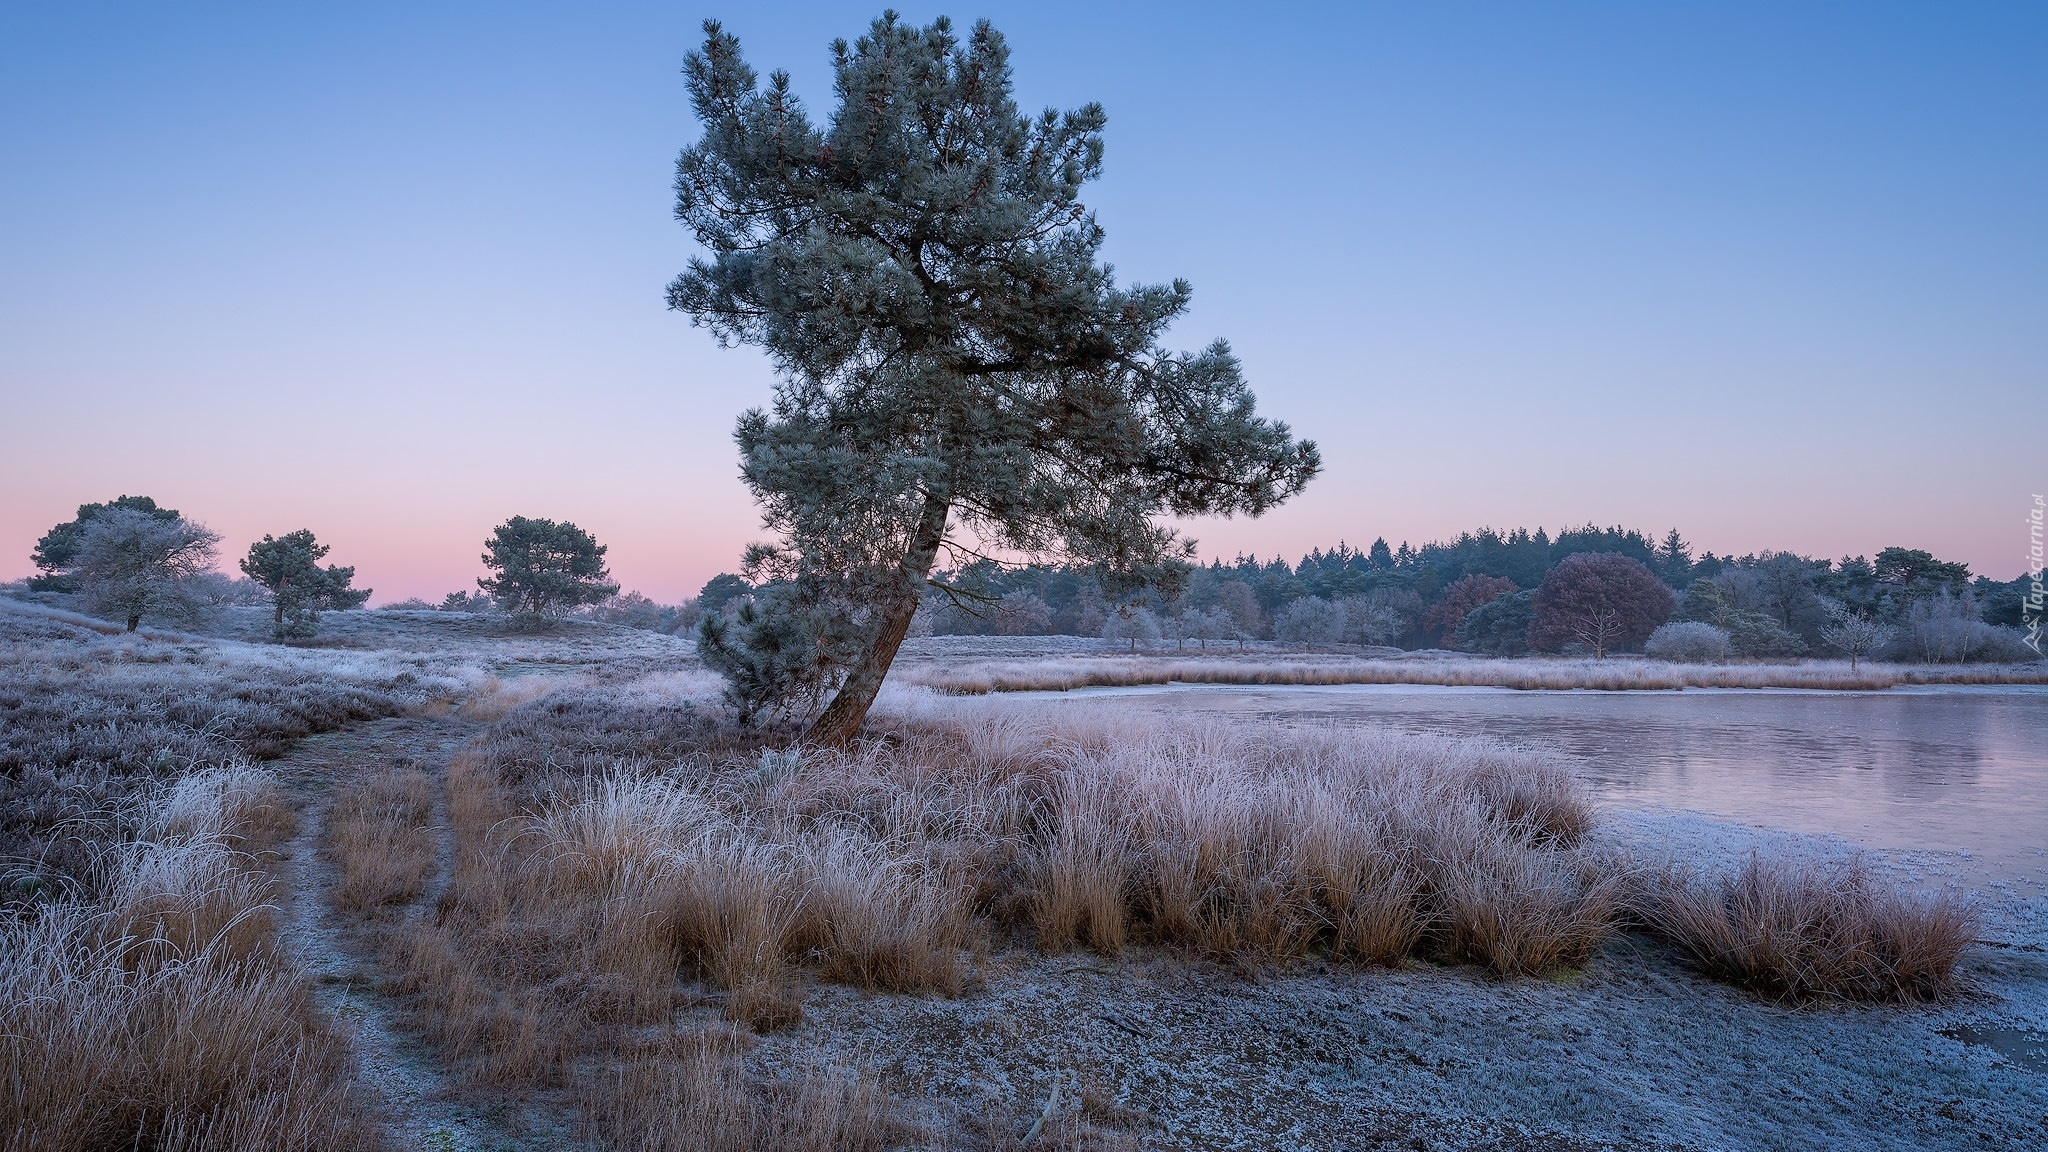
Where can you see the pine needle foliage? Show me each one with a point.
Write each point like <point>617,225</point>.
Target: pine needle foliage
<point>289,569</point>
<point>957,369</point>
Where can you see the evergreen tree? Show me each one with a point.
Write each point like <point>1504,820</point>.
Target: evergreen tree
<point>544,568</point>
<point>1674,560</point>
<point>956,367</point>
<point>300,589</point>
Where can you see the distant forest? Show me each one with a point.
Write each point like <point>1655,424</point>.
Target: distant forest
<point>1771,603</point>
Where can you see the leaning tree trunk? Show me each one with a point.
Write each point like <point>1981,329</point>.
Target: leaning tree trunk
<point>842,719</point>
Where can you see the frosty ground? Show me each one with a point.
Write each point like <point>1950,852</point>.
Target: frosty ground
<point>1152,1047</point>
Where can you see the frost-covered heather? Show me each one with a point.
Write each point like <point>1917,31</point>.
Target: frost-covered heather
<point>86,718</point>
<point>161,1014</point>
<point>476,638</point>
<point>1611,674</point>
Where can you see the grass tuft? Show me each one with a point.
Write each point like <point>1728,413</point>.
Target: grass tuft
<point>1799,929</point>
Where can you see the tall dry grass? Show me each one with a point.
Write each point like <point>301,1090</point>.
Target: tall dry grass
<point>691,1092</point>
<point>161,1015</point>
<point>1533,673</point>
<point>1801,929</point>
<point>379,832</point>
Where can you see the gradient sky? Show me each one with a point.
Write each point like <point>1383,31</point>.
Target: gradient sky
<point>1774,274</point>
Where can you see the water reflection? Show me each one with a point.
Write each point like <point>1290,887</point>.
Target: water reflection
<point>1922,768</point>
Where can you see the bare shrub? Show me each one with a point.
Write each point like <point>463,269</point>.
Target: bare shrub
<point>1797,929</point>
<point>379,833</point>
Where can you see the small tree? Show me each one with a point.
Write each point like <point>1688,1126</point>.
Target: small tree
<point>1206,624</point>
<point>1236,599</point>
<point>288,567</point>
<point>131,564</point>
<point>1855,635</point>
<point>1602,600</point>
<point>780,656</point>
<point>1021,613</point>
<point>1460,599</point>
<point>1309,621</point>
<point>1131,623</point>
<point>57,552</point>
<point>544,568</point>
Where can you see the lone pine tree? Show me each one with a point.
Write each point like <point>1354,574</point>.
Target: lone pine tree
<point>956,369</point>
<point>288,567</point>
<point>543,568</point>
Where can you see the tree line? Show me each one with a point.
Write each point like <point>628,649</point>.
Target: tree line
<point>1591,589</point>
<point>130,559</point>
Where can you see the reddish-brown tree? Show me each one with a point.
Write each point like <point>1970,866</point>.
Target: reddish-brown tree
<point>1462,597</point>
<point>1602,600</point>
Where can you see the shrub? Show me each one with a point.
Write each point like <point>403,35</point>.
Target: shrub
<point>1688,642</point>
<point>1944,628</point>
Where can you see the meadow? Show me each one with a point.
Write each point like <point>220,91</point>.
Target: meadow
<point>568,903</point>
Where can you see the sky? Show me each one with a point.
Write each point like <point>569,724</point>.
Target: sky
<point>1774,274</point>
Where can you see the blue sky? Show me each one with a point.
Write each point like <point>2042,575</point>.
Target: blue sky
<point>1775,274</point>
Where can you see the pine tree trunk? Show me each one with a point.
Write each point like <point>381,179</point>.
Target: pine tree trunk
<point>842,719</point>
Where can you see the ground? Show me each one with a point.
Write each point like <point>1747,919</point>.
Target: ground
<point>1161,1050</point>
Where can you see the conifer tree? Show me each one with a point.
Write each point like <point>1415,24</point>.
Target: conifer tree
<point>289,569</point>
<point>957,371</point>
<point>544,568</point>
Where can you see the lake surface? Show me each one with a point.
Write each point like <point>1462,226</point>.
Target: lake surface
<point>1940,768</point>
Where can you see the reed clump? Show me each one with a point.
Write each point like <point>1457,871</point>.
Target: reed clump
<point>1798,929</point>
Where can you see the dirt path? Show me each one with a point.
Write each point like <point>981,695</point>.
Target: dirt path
<point>420,1111</point>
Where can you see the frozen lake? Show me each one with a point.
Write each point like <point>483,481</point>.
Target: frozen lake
<point>1950,769</point>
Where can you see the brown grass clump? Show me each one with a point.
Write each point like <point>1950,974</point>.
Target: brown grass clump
<point>162,1016</point>
<point>379,832</point>
<point>1797,929</point>
<point>692,1093</point>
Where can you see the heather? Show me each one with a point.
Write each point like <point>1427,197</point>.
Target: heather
<point>89,720</point>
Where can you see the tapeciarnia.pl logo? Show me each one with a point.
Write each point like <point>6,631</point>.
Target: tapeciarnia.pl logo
<point>2031,608</point>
